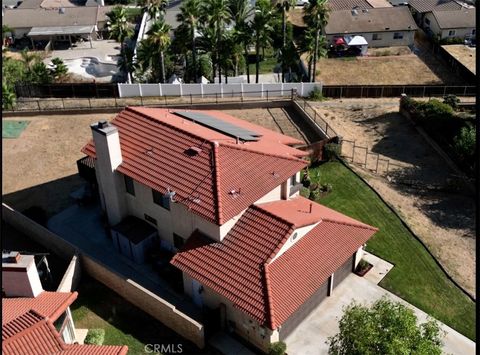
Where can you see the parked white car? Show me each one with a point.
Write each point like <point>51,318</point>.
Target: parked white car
<point>302,2</point>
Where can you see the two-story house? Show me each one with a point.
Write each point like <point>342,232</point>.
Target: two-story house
<point>224,194</point>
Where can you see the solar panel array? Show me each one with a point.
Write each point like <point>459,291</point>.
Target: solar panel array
<point>219,125</point>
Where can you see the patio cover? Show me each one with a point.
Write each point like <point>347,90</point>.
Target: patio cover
<point>60,30</point>
<point>357,41</point>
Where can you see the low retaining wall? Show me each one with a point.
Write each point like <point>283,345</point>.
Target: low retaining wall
<point>146,301</point>
<point>309,120</point>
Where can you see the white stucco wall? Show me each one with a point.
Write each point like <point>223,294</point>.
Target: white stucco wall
<point>358,256</point>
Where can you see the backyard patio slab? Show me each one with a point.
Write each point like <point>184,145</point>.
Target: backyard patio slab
<point>311,336</point>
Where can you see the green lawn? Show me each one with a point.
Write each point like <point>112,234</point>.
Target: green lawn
<point>99,307</point>
<point>266,66</point>
<point>416,277</point>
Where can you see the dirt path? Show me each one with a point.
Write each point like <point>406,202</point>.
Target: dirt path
<point>444,221</point>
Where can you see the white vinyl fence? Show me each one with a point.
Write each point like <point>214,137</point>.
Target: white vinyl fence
<point>220,90</point>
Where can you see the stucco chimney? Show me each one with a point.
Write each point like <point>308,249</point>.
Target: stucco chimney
<point>20,276</point>
<point>110,182</point>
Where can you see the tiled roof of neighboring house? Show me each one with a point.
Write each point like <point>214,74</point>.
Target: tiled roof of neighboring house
<point>336,5</point>
<point>33,334</point>
<point>422,6</point>
<point>219,182</point>
<point>47,304</point>
<point>375,20</point>
<point>37,17</point>
<point>464,18</point>
<point>240,267</point>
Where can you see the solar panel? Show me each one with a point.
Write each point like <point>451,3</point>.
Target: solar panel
<point>219,125</point>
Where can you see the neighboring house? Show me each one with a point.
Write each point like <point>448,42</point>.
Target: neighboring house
<point>336,5</point>
<point>224,194</point>
<point>421,8</point>
<point>381,27</point>
<point>35,321</point>
<point>57,24</point>
<point>451,24</point>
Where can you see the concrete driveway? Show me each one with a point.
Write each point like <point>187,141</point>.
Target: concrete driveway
<point>310,337</point>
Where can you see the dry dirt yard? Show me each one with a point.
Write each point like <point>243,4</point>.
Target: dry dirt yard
<point>39,168</point>
<point>443,221</point>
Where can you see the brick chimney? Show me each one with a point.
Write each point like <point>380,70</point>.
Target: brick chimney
<point>20,276</point>
<point>110,182</point>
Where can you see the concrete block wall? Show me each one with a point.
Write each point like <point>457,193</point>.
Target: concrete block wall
<point>71,278</point>
<point>147,301</point>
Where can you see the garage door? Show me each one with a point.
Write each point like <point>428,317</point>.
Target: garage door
<point>305,309</point>
<point>342,272</point>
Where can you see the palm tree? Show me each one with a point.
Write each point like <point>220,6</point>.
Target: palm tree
<point>118,26</point>
<point>262,27</point>
<point>189,16</point>
<point>316,17</point>
<point>217,16</point>
<point>240,11</point>
<point>159,41</point>
<point>154,8</point>
<point>284,6</point>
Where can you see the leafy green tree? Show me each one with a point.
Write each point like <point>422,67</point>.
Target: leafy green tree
<point>385,328</point>
<point>8,97</point>
<point>207,44</point>
<point>307,45</point>
<point>316,14</point>
<point>284,7</point>
<point>158,41</point>
<point>39,74</point>
<point>451,100</point>
<point>262,27</point>
<point>5,30</point>
<point>240,12</point>
<point>118,26</point>
<point>13,71</point>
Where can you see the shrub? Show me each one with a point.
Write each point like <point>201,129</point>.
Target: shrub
<point>451,100</point>
<point>316,94</point>
<point>95,337</point>
<point>362,265</point>
<point>331,151</point>
<point>277,348</point>
<point>465,142</point>
<point>326,187</point>
<point>434,109</point>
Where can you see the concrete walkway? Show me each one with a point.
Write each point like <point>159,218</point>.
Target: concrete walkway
<point>83,227</point>
<point>311,336</point>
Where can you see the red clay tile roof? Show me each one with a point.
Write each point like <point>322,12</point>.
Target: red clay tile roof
<point>296,274</point>
<point>240,267</point>
<point>33,334</point>
<point>301,212</point>
<point>154,142</point>
<point>234,267</point>
<point>46,304</point>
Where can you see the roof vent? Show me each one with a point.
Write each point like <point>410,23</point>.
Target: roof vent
<point>365,10</point>
<point>102,124</point>
<point>61,10</point>
<point>354,12</point>
<point>275,175</point>
<point>234,193</point>
<point>193,151</point>
<point>387,28</point>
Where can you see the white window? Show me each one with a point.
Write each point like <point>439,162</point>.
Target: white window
<point>376,37</point>
<point>398,35</point>
<point>451,33</point>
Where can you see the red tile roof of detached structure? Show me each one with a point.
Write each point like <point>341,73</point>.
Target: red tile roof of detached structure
<point>221,179</point>
<point>246,269</point>
<point>33,333</point>
<point>47,304</point>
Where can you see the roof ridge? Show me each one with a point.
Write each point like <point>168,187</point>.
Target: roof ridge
<point>239,147</point>
<point>270,314</point>
<point>359,225</point>
<point>216,185</point>
<point>64,305</point>
<point>258,207</point>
